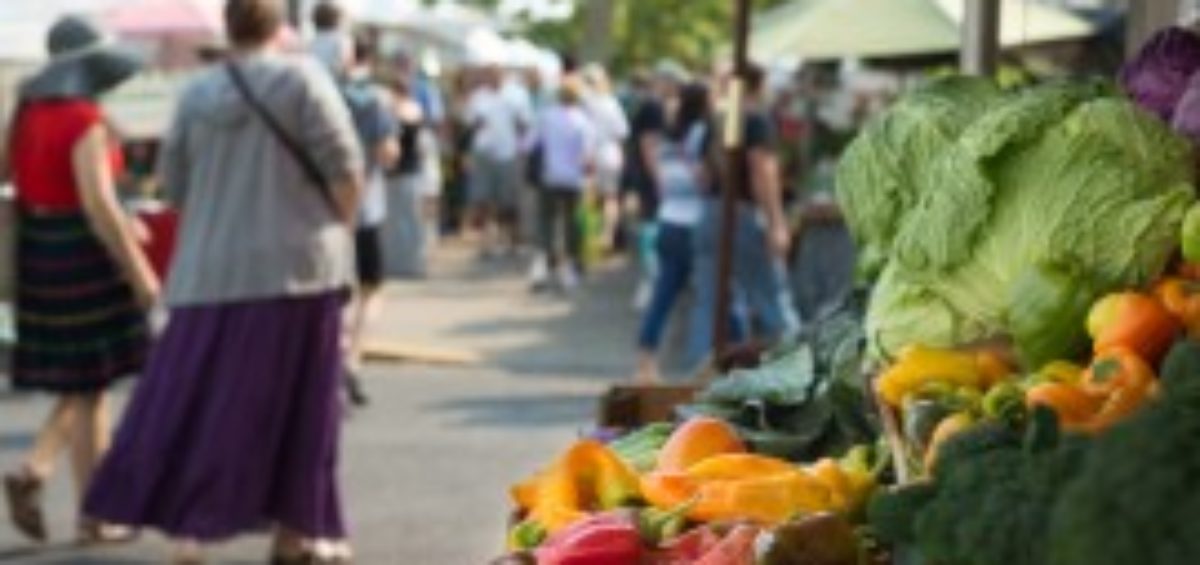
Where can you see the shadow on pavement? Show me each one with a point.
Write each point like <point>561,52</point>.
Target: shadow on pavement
<point>62,554</point>
<point>15,441</point>
<point>510,411</point>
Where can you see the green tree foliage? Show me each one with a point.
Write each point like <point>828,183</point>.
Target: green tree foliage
<point>645,31</point>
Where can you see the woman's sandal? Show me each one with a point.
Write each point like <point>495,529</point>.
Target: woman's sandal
<point>187,553</point>
<point>24,493</point>
<point>95,532</point>
<point>294,557</point>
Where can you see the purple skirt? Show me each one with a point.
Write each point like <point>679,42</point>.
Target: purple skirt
<point>234,426</point>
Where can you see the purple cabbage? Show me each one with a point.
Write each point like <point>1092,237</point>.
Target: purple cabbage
<point>1161,72</point>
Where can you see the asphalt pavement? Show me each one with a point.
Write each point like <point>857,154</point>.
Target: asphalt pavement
<point>426,467</point>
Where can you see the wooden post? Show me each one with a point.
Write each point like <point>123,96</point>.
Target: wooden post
<point>1147,17</point>
<point>981,37</point>
<point>597,33</point>
<point>296,15</point>
<point>738,174</point>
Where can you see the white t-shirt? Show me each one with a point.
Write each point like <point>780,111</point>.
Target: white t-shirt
<point>612,127</point>
<point>499,119</point>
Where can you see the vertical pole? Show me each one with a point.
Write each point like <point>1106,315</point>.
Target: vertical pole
<point>597,34</point>
<point>739,174</point>
<point>981,37</point>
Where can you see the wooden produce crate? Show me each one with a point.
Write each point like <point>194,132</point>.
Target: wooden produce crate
<point>627,406</point>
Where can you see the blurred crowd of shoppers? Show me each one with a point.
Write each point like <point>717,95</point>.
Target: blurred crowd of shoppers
<point>303,183</point>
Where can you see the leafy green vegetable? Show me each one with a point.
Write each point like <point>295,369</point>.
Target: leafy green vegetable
<point>951,202</point>
<point>787,380</point>
<point>1047,312</point>
<point>805,399</point>
<point>640,448</point>
<point>898,149</point>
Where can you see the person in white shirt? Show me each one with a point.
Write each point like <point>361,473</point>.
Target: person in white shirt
<point>568,142</point>
<point>612,128</point>
<point>498,124</point>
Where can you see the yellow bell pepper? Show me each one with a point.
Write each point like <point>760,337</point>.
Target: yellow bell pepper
<point>919,366</point>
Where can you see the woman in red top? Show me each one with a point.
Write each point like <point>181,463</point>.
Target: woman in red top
<point>83,283</point>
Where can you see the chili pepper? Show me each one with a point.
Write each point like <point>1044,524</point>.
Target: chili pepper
<point>1181,297</point>
<point>1132,320</point>
<point>918,366</point>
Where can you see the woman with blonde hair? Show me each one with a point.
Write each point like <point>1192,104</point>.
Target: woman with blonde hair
<point>612,128</point>
<point>83,281</point>
<point>567,139</point>
<point>236,422</point>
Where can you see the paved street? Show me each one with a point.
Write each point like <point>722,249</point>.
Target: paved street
<point>427,465</point>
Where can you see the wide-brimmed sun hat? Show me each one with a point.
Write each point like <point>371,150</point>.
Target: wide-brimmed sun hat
<point>83,63</point>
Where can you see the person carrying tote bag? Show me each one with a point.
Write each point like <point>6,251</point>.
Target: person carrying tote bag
<point>236,423</point>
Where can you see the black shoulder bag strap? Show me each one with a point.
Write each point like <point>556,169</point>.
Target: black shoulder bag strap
<point>310,168</point>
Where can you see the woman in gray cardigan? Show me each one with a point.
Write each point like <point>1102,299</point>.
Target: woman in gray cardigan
<point>236,422</point>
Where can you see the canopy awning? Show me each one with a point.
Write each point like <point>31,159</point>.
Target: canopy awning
<point>824,29</point>
<point>166,18</point>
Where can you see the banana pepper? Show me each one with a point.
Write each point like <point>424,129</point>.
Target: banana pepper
<point>738,487</point>
<point>587,478</point>
<point>918,367</point>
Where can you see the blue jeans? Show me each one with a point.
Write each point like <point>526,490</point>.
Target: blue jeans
<point>760,283</point>
<point>674,266</point>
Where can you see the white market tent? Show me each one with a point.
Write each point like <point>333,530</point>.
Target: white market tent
<point>456,34</point>
<point>821,29</point>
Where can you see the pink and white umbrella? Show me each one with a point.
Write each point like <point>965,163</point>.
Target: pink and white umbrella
<point>166,18</point>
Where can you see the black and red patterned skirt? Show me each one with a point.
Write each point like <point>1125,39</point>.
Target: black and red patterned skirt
<point>79,328</point>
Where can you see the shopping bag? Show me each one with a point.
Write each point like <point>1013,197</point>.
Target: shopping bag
<point>163,225</point>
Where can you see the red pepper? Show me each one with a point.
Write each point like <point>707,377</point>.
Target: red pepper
<point>736,549</point>
<point>611,538</point>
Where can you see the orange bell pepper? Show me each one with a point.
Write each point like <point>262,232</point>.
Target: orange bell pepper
<point>698,439</point>
<point>1181,297</point>
<point>1074,406</point>
<point>1124,380</point>
<point>1132,320</point>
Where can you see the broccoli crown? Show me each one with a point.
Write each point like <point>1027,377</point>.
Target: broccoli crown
<point>892,512</point>
<point>995,495</point>
<point>963,448</point>
<point>1135,500</point>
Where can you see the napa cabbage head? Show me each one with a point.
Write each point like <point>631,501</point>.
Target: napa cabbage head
<point>1070,176</point>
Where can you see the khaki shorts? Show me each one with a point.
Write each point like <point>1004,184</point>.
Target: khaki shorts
<point>495,182</point>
